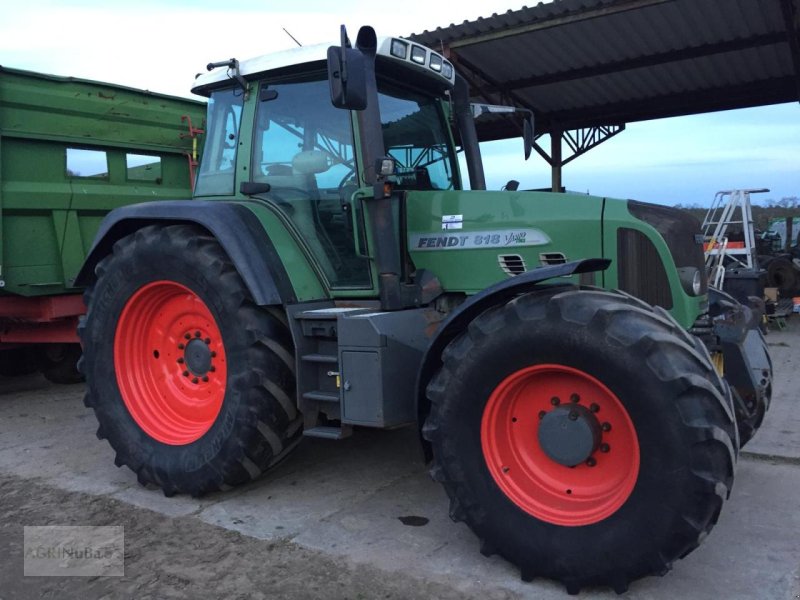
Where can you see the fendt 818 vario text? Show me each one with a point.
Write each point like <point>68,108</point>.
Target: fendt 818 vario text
<point>331,273</point>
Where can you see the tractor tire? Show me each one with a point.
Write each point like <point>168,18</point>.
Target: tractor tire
<point>59,363</point>
<point>750,413</point>
<point>583,435</point>
<point>19,361</point>
<point>782,274</point>
<point>192,383</point>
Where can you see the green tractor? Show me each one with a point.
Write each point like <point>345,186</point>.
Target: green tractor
<point>331,273</point>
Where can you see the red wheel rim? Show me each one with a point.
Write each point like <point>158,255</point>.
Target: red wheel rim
<point>545,489</point>
<point>170,362</point>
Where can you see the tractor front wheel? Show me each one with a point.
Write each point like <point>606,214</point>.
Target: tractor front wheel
<point>191,382</point>
<point>582,435</point>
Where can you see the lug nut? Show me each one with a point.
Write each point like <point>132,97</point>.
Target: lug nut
<point>555,401</point>
<point>207,341</point>
<point>213,354</point>
<point>542,413</point>
<point>604,447</point>
<point>195,380</point>
<point>180,361</point>
<point>205,377</point>
<point>212,368</point>
<point>591,462</point>
<point>186,373</point>
<point>606,426</point>
<point>187,336</point>
<point>574,398</point>
<point>594,407</point>
<point>197,334</point>
<point>181,346</point>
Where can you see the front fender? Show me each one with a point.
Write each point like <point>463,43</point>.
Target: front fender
<point>496,294</point>
<point>235,227</point>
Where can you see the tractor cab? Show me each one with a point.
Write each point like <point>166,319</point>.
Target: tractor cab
<point>312,161</point>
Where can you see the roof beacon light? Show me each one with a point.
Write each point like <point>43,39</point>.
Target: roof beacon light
<point>436,63</point>
<point>399,49</point>
<point>418,54</point>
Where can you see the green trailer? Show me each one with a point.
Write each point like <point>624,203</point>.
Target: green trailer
<point>72,150</point>
<point>560,354</point>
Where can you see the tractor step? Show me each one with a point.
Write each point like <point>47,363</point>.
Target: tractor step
<point>320,358</point>
<point>321,396</point>
<point>329,433</point>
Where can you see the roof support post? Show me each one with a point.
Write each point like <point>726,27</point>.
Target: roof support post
<point>555,158</point>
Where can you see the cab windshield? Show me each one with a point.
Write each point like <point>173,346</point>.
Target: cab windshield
<point>415,135</point>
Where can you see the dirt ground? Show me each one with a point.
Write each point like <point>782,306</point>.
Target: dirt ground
<point>181,557</point>
<point>352,519</point>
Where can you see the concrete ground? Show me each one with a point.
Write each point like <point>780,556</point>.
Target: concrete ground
<point>330,521</point>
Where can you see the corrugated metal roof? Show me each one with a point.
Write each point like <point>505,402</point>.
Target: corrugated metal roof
<point>578,63</point>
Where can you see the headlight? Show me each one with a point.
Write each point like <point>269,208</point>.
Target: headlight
<point>447,71</point>
<point>691,280</point>
<point>399,49</point>
<point>418,54</point>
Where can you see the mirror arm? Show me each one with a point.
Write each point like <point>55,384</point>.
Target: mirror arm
<point>469,135</point>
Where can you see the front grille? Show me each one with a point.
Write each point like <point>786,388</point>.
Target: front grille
<point>681,232</point>
<point>640,270</point>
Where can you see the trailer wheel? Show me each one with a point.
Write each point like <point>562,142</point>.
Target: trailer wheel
<point>59,363</point>
<point>582,435</point>
<point>191,382</point>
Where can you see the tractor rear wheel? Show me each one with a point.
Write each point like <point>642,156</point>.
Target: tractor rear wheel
<point>582,435</point>
<point>191,382</point>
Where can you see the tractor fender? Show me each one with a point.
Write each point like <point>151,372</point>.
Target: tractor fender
<point>461,316</point>
<point>234,226</point>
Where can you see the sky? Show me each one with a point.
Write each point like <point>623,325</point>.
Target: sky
<point>161,44</point>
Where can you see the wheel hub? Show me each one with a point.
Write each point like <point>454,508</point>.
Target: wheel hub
<point>569,434</point>
<point>198,357</point>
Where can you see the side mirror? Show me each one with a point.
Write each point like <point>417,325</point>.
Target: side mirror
<point>346,76</point>
<point>527,135</point>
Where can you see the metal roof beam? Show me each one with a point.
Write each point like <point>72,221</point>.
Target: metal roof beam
<point>584,15</point>
<point>756,93</point>
<point>647,61</point>
<point>459,60</point>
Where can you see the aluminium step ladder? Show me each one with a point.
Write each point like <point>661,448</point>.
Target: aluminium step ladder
<point>731,207</point>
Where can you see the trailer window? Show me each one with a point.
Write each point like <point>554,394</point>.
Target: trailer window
<point>141,167</point>
<point>87,163</point>
<point>217,169</point>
